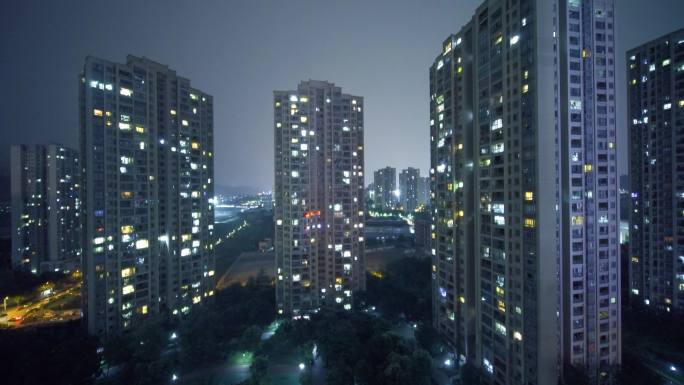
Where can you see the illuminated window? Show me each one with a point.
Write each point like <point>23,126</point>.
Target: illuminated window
<point>195,145</point>
<point>126,229</point>
<point>184,122</point>
<point>97,112</point>
<point>126,195</point>
<point>128,289</point>
<point>124,126</point>
<point>139,129</point>
<point>529,195</point>
<point>497,124</point>
<point>588,168</point>
<point>514,40</point>
<point>141,244</point>
<point>525,88</point>
<point>172,112</point>
<point>127,272</point>
<point>303,119</point>
<point>125,91</point>
<point>501,329</point>
<point>529,222</point>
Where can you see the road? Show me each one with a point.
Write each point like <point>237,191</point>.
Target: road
<point>17,316</point>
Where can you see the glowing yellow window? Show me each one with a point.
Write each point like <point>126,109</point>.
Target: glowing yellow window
<point>303,119</point>
<point>577,220</point>
<point>126,195</point>
<point>139,129</point>
<point>501,305</point>
<point>127,272</point>
<point>338,280</point>
<point>588,167</point>
<point>143,309</point>
<point>525,88</point>
<point>529,195</point>
<point>128,289</point>
<point>461,299</point>
<point>97,112</point>
<point>529,222</point>
<point>126,229</point>
<point>195,145</point>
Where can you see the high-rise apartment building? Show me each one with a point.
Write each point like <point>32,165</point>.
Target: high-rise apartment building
<point>655,73</point>
<point>522,123</point>
<point>408,189</point>
<point>319,198</point>
<point>46,227</point>
<point>423,190</point>
<point>148,188</point>
<point>385,182</point>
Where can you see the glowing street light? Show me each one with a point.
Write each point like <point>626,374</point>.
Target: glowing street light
<point>673,368</point>
<point>302,366</point>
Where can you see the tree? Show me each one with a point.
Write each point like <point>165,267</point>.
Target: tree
<point>250,338</point>
<point>259,370</point>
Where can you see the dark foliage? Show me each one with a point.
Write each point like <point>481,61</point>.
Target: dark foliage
<point>357,348</point>
<point>232,321</point>
<point>61,354</point>
<point>405,290</point>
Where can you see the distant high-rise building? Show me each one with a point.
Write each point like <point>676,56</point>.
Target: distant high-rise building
<point>423,190</point>
<point>148,187</point>
<point>525,211</point>
<point>385,182</point>
<point>655,73</point>
<point>46,227</point>
<point>370,192</point>
<point>625,199</point>
<point>319,198</point>
<point>408,189</point>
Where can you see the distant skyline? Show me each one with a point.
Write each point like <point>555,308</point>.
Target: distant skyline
<point>240,51</point>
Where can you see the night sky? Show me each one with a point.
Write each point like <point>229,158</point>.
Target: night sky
<point>240,51</point>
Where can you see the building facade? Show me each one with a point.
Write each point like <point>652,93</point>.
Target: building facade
<point>319,198</point>
<point>46,227</point>
<point>524,190</point>
<point>147,154</point>
<point>385,183</point>
<point>408,189</point>
<point>423,190</point>
<point>655,73</point>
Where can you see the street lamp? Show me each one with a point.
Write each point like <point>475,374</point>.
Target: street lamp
<point>4,303</point>
<point>302,366</point>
